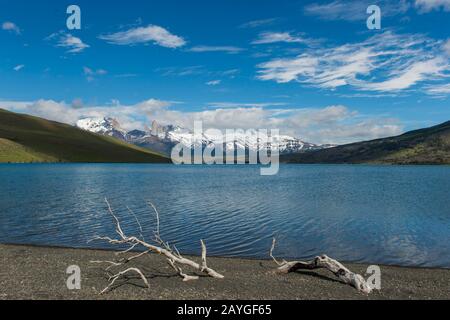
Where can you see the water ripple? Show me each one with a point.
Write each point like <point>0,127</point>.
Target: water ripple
<point>393,215</point>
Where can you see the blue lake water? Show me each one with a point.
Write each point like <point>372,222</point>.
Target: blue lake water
<point>376,214</point>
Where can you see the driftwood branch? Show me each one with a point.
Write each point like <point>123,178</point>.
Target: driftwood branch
<point>113,278</point>
<point>323,262</point>
<point>171,253</point>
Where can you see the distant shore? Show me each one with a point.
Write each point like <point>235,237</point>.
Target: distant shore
<point>28,272</point>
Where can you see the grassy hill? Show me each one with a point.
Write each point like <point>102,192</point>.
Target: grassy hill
<point>25,138</point>
<point>424,146</point>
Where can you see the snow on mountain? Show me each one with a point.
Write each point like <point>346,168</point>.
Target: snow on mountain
<point>164,138</point>
<point>104,126</point>
<point>241,140</point>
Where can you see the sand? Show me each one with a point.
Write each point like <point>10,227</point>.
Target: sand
<point>28,272</point>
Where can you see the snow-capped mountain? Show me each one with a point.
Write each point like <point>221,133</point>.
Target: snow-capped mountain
<point>241,140</point>
<point>163,138</point>
<point>104,126</point>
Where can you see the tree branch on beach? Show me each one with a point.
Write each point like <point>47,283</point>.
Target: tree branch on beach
<point>322,262</point>
<point>159,246</point>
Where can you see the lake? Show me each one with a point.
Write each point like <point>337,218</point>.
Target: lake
<point>376,214</point>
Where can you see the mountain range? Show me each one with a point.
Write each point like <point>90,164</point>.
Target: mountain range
<point>25,138</point>
<point>425,146</point>
<point>162,138</point>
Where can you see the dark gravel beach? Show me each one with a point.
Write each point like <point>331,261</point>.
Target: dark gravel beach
<point>40,273</point>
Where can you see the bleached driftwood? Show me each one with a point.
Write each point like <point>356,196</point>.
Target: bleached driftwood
<point>323,261</point>
<point>171,253</point>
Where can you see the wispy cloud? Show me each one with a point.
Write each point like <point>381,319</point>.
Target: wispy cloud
<point>273,37</point>
<point>440,90</point>
<point>232,73</point>
<point>425,6</point>
<point>10,26</point>
<point>142,35</point>
<point>19,67</point>
<point>182,71</point>
<point>386,62</point>
<point>91,73</point>
<point>349,10</point>
<point>68,41</point>
<point>405,78</point>
<point>258,23</point>
<point>446,47</point>
<point>226,49</point>
<point>213,82</point>
<point>222,105</point>
<point>198,70</point>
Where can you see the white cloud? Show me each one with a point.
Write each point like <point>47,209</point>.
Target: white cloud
<point>350,10</point>
<point>273,37</point>
<point>68,41</point>
<point>413,74</point>
<point>332,124</point>
<point>213,82</point>
<point>235,105</point>
<point>196,71</point>
<point>128,116</point>
<point>182,71</point>
<point>385,62</point>
<point>73,44</point>
<point>91,74</point>
<point>425,6</point>
<point>19,67</point>
<point>227,49</point>
<point>439,90</point>
<point>230,73</point>
<point>286,70</point>
<point>360,131</point>
<point>150,34</point>
<point>10,26</point>
<point>446,47</point>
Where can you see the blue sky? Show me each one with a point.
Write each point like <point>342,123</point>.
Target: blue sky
<point>309,68</point>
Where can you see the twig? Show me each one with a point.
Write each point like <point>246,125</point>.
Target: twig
<point>118,275</point>
<point>338,269</point>
<point>173,256</point>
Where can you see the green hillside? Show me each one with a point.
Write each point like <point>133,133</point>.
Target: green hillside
<point>25,138</point>
<point>424,146</point>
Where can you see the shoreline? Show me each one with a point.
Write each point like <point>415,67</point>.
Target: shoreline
<point>369,164</point>
<point>49,247</point>
<point>36,272</point>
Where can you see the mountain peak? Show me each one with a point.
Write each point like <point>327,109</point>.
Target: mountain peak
<point>105,126</point>
<point>163,137</point>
